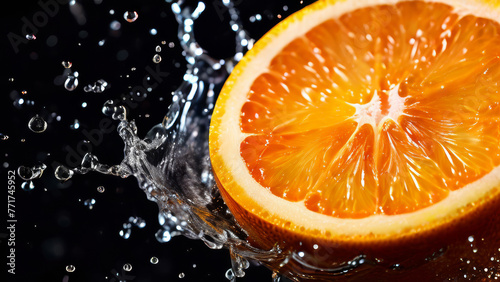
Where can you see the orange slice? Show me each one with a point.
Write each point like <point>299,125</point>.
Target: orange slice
<point>360,126</point>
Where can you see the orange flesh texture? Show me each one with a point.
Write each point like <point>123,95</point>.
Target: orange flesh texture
<point>385,110</point>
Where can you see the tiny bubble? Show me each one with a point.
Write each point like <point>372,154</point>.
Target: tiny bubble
<point>71,82</point>
<point>158,48</point>
<point>156,58</point>
<point>115,25</point>
<point>182,275</point>
<point>27,186</point>
<point>154,260</point>
<point>30,36</point>
<point>66,64</point>
<point>127,267</point>
<point>130,16</point>
<point>24,92</point>
<point>3,137</point>
<point>101,189</point>
<point>75,125</point>
<point>70,268</point>
<point>37,124</point>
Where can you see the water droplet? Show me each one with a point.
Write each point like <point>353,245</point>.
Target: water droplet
<point>108,108</point>
<point>75,125</point>
<point>182,275</point>
<point>137,221</point>
<point>158,48</point>
<point>30,36</point>
<point>27,186</point>
<point>101,189</point>
<point>66,64</point>
<point>115,25</point>
<point>119,113</point>
<point>229,274</point>
<point>163,236</point>
<point>71,83</point>
<point>70,268</point>
<point>127,267</point>
<point>63,173</point>
<point>98,86</point>
<point>130,16</point>
<point>154,260</point>
<point>125,233</point>
<point>156,58</point>
<point>471,239</point>
<point>89,203</point>
<point>30,173</point>
<point>37,124</point>
<point>276,276</point>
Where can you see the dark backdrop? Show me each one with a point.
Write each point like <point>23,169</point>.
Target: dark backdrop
<point>54,227</point>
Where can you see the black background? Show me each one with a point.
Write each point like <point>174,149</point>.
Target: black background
<point>54,228</point>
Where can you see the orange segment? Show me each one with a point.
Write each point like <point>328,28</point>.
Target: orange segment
<point>408,179</point>
<point>272,159</point>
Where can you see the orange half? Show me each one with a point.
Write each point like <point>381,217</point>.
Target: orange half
<point>363,122</point>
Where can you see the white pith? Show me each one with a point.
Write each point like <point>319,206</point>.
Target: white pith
<point>263,203</point>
